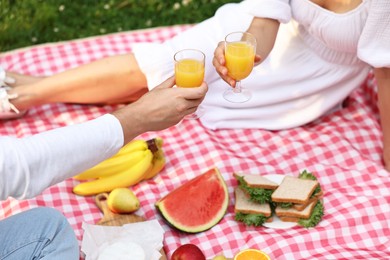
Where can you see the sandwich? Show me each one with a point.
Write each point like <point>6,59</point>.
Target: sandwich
<point>308,217</point>
<point>249,212</point>
<point>258,188</point>
<point>299,200</point>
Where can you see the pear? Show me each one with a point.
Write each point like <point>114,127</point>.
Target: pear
<point>219,257</point>
<point>122,200</point>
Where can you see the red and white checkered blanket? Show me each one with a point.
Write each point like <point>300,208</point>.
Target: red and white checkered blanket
<point>343,149</point>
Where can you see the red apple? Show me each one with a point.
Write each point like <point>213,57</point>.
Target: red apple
<point>188,252</point>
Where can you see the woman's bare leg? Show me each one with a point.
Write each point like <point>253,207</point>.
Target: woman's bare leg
<point>21,79</point>
<point>109,80</point>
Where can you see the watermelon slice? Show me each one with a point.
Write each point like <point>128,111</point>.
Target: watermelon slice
<point>197,205</point>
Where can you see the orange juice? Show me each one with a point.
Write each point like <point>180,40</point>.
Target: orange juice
<point>239,59</point>
<point>189,73</point>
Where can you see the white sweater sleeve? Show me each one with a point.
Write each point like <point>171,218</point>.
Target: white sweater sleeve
<point>31,164</point>
<point>374,43</point>
<point>274,9</point>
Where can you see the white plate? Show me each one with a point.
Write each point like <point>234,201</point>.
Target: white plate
<point>276,222</point>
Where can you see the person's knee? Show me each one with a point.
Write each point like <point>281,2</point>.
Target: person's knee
<point>35,217</point>
<point>57,230</point>
<point>231,17</point>
<point>47,215</point>
<point>50,221</point>
<point>42,231</point>
<point>228,10</point>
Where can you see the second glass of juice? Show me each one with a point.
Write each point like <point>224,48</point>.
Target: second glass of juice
<point>240,50</point>
<point>189,71</point>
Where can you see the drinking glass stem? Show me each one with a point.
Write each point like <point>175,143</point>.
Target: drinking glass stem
<point>237,88</point>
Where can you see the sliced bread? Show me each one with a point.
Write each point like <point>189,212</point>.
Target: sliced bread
<point>257,181</point>
<point>298,206</point>
<point>294,190</point>
<point>293,213</point>
<point>244,205</point>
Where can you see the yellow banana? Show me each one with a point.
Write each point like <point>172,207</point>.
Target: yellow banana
<point>112,166</point>
<point>122,179</point>
<point>135,145</point>
<point>126,157</point>
<point>158,164</point>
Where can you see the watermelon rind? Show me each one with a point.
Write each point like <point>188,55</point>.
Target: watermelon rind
<point>209,186</point>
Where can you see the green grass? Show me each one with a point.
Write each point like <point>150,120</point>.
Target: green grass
<point>28,22</point>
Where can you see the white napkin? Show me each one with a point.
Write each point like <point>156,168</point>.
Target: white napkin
<point>147,234</point>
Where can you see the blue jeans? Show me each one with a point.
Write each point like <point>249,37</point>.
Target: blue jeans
<point>39,233</point>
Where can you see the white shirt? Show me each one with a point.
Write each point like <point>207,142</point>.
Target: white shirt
<point>31,164</point>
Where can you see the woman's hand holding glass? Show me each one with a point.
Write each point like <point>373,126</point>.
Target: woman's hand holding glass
<point>234,59</point>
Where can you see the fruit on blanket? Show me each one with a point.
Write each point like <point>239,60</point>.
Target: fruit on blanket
<point>219,257</point>
<point>125,168</point>
<point>120,162</point>
<point>158,141</point>
<point>126,157</point>
<point>158,164</point>
<point>122,200</point>
<point>198,204</point>
<point>249,254</point>
<point>135,145</point>
<point>129,177</point>
<point>188,252</point>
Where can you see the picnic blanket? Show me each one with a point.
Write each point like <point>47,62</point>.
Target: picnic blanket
<point>342,149</point>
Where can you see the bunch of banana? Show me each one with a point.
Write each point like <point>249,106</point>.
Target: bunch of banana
<point>137,161</point>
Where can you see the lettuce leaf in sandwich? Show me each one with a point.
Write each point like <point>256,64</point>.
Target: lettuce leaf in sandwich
<point>249,212</point>
<point>258,188</point>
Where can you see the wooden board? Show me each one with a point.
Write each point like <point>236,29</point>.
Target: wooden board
<point>112,219</point>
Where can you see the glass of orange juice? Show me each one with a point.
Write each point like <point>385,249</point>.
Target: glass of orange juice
<point>240,50</point>
<point>189,71</point>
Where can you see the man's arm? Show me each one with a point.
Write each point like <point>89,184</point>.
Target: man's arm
<point>31,164</point>
<point>160,108</point>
